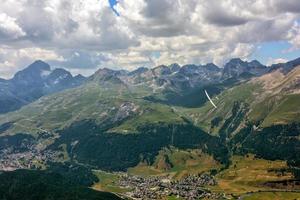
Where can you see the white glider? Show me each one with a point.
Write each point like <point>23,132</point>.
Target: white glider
<point>210,99</point>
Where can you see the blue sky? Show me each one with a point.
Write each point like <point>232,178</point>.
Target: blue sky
<point>266,51</point>
<point>112,3</point>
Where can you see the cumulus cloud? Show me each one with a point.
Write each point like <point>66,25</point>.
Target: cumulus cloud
<point>86,34</point>
<point>272,61</point>
<point>287,6</point>
<point>224,13</point>
<point>12,60</point>
<point>157,18</point>
<point>9,29</point>
<point>294,36</point>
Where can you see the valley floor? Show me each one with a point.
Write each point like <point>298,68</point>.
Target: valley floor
<point>246,178</point>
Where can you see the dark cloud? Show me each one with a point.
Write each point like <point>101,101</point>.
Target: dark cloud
<point>220,14</point>
<point>221,18</point>
<point>159,9</point>
<point>164,18</point>
<point>288,6</point>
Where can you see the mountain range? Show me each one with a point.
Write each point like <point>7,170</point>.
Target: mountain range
<point>115,120</point>
<point>38,79</point>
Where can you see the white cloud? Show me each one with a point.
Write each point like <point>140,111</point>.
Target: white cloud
<point>12,60</point>
<point>294,36</point>
<point>205,31</point>
<point>272,61</point>
<point>9,28</point>
<point>190,31</point>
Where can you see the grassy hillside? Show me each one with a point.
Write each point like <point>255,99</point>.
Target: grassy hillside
<point>109,106</point>
<point>108,182</point>
<point>154,113</point>
<point>179,163</point>
<point>278,110</point>
<point>273,196</point>
<point>268,100</point>
<point>247,174</point>
<point>204,116</point>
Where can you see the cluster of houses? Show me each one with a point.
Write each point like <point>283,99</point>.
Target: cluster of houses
<point>11,160</point>
<point>191,187</point>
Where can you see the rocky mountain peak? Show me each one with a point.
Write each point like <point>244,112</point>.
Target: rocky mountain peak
<point>106,75</point>
<point>235,62</point>
<point>59,72</point>
<point>79,77</point>
<point>212,67</point>
<point>34,71</point>
<point>59,75</point>
<point>138,71</point>
<point>33,82</point>
<point>235,67</point>
<point>188,69</point>
<point>39,65</point>
<point>256,63</point>
<point>161,70</point>
<point>33,74</point>
<point>174,67</point>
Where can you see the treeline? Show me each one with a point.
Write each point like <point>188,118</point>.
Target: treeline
<point>274,142</point>
<point>45,185</point>
<point>76,174</point>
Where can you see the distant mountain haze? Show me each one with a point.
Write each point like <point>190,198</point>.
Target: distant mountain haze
<point>38,79</point>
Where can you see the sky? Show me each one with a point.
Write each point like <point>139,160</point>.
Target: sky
<point>84,35</point>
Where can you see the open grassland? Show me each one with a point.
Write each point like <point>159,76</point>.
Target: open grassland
<point>273,196</point>
<point>203,116</point>
<point>247,174</point>
<point>179,163</point>
<point>108,182</point>
<point>153,113</point>
<point>173,198</point>
<point>287,111</point>
<point>90,102</point>
<point>270,105</point>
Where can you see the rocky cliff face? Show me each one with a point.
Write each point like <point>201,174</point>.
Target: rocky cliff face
<point>33,82</point>
<point>237,67</point>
